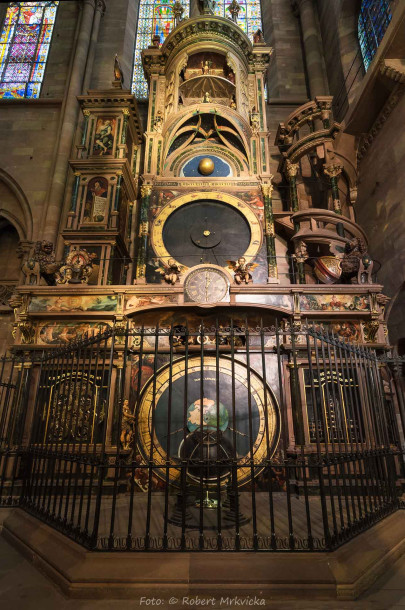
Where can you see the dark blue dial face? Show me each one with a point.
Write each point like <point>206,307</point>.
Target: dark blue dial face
<point>222,169</point>
<point>206,232</point>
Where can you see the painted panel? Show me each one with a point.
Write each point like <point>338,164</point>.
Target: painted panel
<point>69,304</point>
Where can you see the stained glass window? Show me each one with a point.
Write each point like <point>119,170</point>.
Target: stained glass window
<point>249,18</point>
<point>374,18</point>
<point>24,45</point>
<point>155,18</point>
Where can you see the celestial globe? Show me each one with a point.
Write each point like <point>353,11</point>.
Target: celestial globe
<point>206,166</point>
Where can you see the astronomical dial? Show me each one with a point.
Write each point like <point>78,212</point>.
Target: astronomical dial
<point>206,285</point>
<point>224,411</point>
<point>209,227</point>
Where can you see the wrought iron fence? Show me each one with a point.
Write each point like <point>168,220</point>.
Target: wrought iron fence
<point>219,438</point>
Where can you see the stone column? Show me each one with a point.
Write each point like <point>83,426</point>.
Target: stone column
<point>272,271</point>
<point>305,10</point>
<point>100,10</point>
<point>146,191</point>
<point>67,130</point>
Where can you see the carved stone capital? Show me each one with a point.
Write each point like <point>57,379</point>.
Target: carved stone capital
<point>146,190</point>
<point>291,169</point>
<point>333,171</point>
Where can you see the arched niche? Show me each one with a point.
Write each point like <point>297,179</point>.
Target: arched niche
<point>9,262</point>
<point>14,206</point>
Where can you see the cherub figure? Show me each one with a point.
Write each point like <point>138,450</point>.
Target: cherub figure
<point>242,270</point>
<point>171,271</point>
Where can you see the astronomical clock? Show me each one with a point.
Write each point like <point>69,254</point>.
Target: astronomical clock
<point>180,225</point>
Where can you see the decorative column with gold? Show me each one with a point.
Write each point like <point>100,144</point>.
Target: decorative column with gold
<point>267,190</point>
<point>334,171</point>
<point>292,170</point>
<point>146,191</point>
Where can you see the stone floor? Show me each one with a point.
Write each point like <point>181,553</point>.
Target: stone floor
<point>23,587</point>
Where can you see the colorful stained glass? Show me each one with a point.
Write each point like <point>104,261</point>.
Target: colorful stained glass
<point>154,19</point>
<point>374,18</point>
<point>249,18</point>
<point>24,46</point>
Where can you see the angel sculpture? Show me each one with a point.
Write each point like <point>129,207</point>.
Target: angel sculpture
<point>242,270</point>
<point>171,271</point>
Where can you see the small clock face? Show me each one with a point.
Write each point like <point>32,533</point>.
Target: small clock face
<point>206,285</point>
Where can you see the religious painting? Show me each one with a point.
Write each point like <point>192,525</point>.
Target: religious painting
<point>254,199</point>
<point>334,302</point>
<point>136,301</point>
<point>72,304</point>
<point>56,333</point>
<point>95,208</point>
<point>104,137</point>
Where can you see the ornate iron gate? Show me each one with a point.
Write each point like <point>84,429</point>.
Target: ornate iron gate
<point>219,438</point>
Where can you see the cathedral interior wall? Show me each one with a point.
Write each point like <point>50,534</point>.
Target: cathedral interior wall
<point>380,210</point>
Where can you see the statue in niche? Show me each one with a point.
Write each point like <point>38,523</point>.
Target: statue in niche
<point>233,103</point>
<point>255,120</point>
<point>356,263</point>
<point>171,271</point>
<point>42,264</point>
<point>242,270</point>
<point>207,98</point>
<point>158,122</point>
<point>207,7</point>
<point>206,67</point>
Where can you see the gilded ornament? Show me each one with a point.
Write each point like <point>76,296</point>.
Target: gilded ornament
<point>206,166</point>
<point>146,190</point>
<point>291,169</point>
<point>333,171</point>
<point>328,269</point>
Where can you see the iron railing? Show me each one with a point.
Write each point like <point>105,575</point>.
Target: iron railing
<point>207,438</point>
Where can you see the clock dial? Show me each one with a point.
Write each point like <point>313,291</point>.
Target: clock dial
<point>206,232</point>
<point>206,285</point>
<point>206,227</point>
<point>171,423</point>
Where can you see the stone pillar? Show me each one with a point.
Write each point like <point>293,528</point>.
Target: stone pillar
<point>146,191</point>
<point>100,10</point>
<point>305,10</point>
<point>57,189</point>
<point>334,171</point>
<point>272,271</point>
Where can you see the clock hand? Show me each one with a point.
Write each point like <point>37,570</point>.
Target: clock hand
<point>207,283</point>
